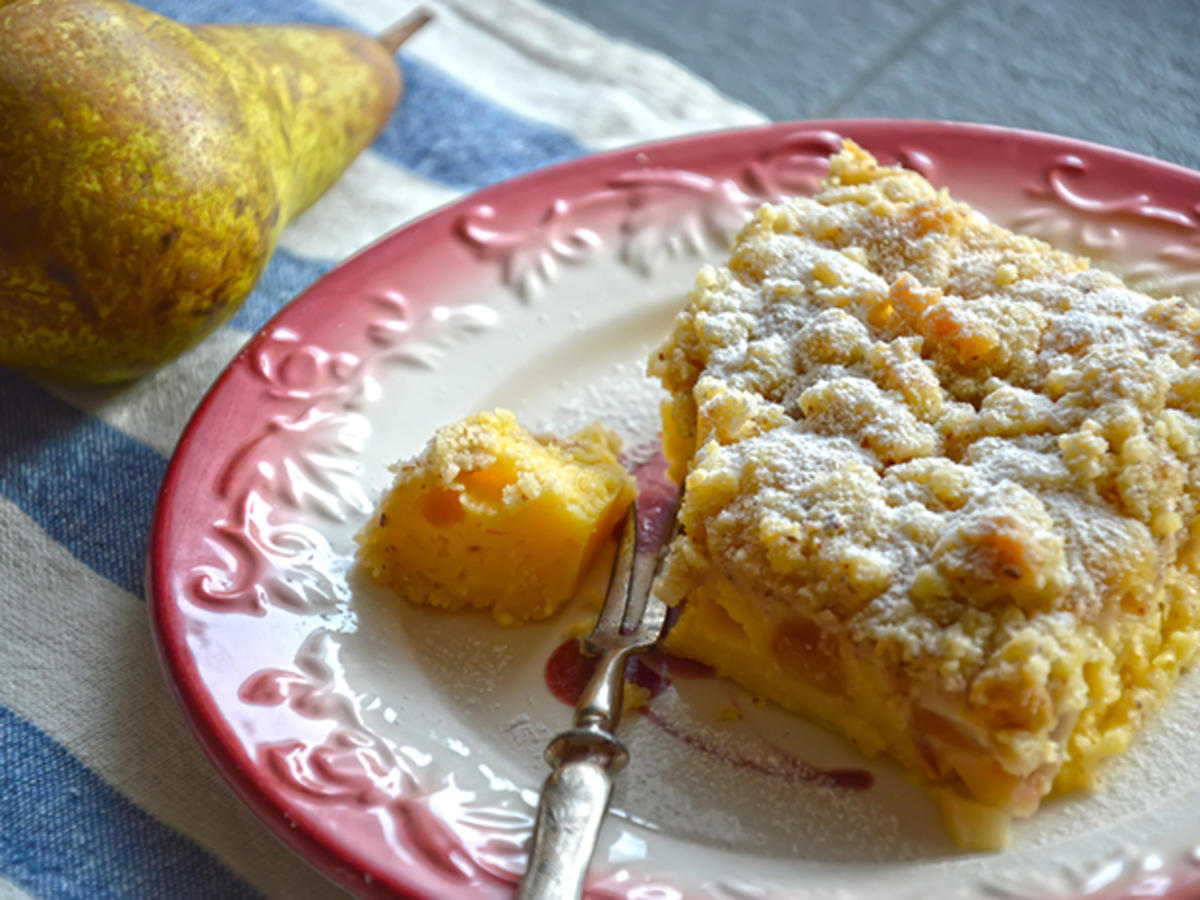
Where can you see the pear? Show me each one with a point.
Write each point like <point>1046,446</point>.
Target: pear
<point>147,169</point>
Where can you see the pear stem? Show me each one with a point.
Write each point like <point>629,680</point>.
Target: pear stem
<point>391,38</point>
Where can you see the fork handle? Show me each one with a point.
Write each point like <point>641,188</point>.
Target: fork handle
<point>574,799</point>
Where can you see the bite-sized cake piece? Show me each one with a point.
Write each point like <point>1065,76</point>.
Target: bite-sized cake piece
<point>941,488</point>
<point>491,516</point>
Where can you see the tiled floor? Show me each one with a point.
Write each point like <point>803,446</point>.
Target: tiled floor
<point>1117,72</point>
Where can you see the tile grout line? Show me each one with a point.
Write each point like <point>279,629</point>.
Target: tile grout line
<point>911,38</point>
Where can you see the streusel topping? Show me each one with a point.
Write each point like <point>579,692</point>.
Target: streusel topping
<point>969,452</point>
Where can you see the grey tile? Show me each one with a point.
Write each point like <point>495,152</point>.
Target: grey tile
<point>1114,71</point>
<point>1121,72</point>
<point>786,58</point>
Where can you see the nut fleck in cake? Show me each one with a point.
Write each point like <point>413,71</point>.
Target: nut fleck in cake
<point>941,488</point>
<point>491,516</point>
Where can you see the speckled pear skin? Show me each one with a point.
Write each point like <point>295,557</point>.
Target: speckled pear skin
<point>147,169</point>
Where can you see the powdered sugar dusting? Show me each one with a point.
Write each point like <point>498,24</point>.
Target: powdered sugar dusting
<point>622,398</point>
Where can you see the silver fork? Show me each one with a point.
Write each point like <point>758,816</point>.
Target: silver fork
<point>585,758</point>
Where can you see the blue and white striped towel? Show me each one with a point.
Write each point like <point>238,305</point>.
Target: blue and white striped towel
<point>102,791</point>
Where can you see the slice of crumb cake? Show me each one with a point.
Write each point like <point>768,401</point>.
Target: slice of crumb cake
<point>941,487</point>
<point>491,516</point>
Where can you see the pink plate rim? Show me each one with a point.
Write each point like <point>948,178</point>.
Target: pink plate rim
<point>207,430</point>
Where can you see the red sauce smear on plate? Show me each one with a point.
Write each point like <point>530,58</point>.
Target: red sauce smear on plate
<point>657,495</point>
<point>569,668</point>
<point>786,767</point>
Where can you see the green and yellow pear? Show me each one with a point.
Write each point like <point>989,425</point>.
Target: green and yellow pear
<point>147,169</point>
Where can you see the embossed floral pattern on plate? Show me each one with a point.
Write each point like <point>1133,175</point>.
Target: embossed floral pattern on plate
<point>328,716</point>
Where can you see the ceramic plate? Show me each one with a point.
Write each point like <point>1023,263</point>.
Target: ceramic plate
<point>399,749</point>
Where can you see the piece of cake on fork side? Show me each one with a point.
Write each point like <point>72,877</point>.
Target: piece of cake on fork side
<point>491,516</point>
<point>941,489</point>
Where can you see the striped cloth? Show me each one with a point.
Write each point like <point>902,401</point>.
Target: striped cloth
<point>102,790</point>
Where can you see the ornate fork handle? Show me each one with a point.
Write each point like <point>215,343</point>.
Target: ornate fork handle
<point>585,758</point>
<point>576,794</point>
